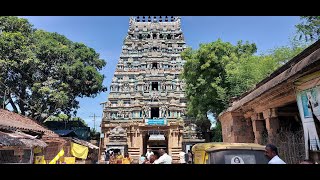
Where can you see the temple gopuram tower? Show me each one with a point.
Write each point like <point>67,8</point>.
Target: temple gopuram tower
<point>147,102</point>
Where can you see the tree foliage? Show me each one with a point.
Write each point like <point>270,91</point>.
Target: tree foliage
<point>309,28</point>
<point>205,75</point>
<point>217,132</point>
<point>45,72</point>
<point>220,71</point>
<point>64,117</point>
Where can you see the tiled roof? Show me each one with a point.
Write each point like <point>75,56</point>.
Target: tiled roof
<point>10,119</point>
<point>20,139</point>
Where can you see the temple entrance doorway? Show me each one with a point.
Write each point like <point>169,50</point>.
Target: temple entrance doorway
<point>155,140</point>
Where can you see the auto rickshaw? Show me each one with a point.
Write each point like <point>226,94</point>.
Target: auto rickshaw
<point>228,153</point>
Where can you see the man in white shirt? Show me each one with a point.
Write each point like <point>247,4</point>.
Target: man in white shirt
<point>164,158</point>
<point>182,157</point>
<point>272,154</point>
<point>149,153</point>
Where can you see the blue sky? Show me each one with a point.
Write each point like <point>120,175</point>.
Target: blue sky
<point>106,34</point>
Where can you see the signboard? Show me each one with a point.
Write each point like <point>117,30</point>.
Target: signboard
<point>161,121</point>
<point>157,137</point>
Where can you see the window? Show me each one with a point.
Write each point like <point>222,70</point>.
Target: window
<point>155,86</point>
<point>154,112</point>
<point>154,65</point>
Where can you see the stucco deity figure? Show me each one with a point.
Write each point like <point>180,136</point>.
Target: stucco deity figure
<point>163,86</point>
<point>145,111</point>
<point>164,109</point>
<point>120,103</point>
<point>146,86</point>
<point>125,78</point>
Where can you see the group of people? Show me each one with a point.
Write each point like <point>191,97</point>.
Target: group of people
<point>155,157</point>
<point>117,158</point>
<point>161,157</point>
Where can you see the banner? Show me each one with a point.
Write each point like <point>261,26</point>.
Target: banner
<point>79,151</point>
<point>68,160</point>
<point>309,109</point>
<point>55,159</point>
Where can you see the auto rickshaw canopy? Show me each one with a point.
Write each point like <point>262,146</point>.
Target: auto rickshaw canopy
<point>201,151</point>
<point>220,146</point>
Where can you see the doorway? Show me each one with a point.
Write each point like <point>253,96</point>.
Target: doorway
<point>155,141</point>
<point>154,112</point>
<point>154,86</point>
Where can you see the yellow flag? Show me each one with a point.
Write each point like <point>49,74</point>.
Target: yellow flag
<point>55,159</point>
<point>37,150</point>
<point>69,160</point>
<point>79,151</point>
<point>39,160</point>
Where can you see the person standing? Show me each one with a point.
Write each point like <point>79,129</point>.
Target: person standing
<point>271,152</point>
<point>164,158</point>
<point>126,159</point>
<point>190,157</point>
<point>107,157</point>
<point>149,153</point>
<point>182,158</point>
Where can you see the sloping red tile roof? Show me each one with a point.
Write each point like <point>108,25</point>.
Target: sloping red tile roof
<point>13,120</point>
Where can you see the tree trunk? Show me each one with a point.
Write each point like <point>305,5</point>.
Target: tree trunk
<point>21,106</point>
<point>13,105</point>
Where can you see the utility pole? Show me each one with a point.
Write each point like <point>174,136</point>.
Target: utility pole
<point>94,121</point>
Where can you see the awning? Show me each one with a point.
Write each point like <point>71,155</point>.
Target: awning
<point>85,143</point>
<point>157,137</point>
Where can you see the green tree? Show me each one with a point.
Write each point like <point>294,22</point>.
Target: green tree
<point>205,75</point>
<point>309,28</point>
<point>244,74</point>
<point>217,132</point>
<point>45,71</point>
<point>94,135</point>
<point>220,71</point>
<point>64,117</point>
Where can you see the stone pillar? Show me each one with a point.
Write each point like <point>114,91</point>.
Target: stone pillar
<point>258,127</point>
<point>272,123</point>
<point>235,128</point>
<point>140,143</point>
<point>169,136</point>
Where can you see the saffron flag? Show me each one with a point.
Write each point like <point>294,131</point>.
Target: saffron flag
<point>79,151</point>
